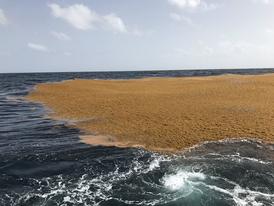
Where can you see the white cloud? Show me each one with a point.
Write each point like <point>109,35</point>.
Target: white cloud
<point>38,47</point>
<point>185,3</point>
<point>3,18</point>
<point>83,18</point>
<point>229,47</point>
<point>263,1</point>
<point>78,15</point>
<point>115,23</point>
<point>193,4</point>
<point>138,32</point>
<point>60,35</point>
<point>181,18</point>
<point>175,17</point>
<point>209,6</point>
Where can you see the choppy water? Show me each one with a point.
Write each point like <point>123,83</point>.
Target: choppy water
<point>42,161</point>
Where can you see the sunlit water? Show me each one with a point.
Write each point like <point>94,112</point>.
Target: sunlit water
<point>42,161</point>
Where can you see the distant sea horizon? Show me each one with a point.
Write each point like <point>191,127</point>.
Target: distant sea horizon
<point>143,70</point>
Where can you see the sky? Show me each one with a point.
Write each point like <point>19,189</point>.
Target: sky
<point>110,35</point>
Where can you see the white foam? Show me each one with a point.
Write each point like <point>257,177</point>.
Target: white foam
<point>241,196</point>
<point>156,160</point>
<point>181,179</point>
<point>235,157</point>
<point>154,164</point>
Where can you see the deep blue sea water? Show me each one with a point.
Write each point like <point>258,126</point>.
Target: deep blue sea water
<point>42,161</point>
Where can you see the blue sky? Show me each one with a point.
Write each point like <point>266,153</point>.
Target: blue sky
<point>99,35</point>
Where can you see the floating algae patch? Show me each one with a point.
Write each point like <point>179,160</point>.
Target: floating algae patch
<point>165,113</point>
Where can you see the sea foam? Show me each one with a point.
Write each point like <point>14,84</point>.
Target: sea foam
<point>181,179</point>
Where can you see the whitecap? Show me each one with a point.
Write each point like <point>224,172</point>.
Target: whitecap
<point>181,180</point>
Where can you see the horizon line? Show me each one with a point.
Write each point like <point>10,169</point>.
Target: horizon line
<point>141,70</point>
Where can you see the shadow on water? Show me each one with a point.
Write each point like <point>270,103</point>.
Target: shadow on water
<point>42,161</point>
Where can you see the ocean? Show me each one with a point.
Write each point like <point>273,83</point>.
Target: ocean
<point>42,161</point>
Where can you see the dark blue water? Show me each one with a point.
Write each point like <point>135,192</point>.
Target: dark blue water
<point>42,161</point>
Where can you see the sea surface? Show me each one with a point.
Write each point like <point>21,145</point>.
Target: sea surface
<point>43,163</point>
